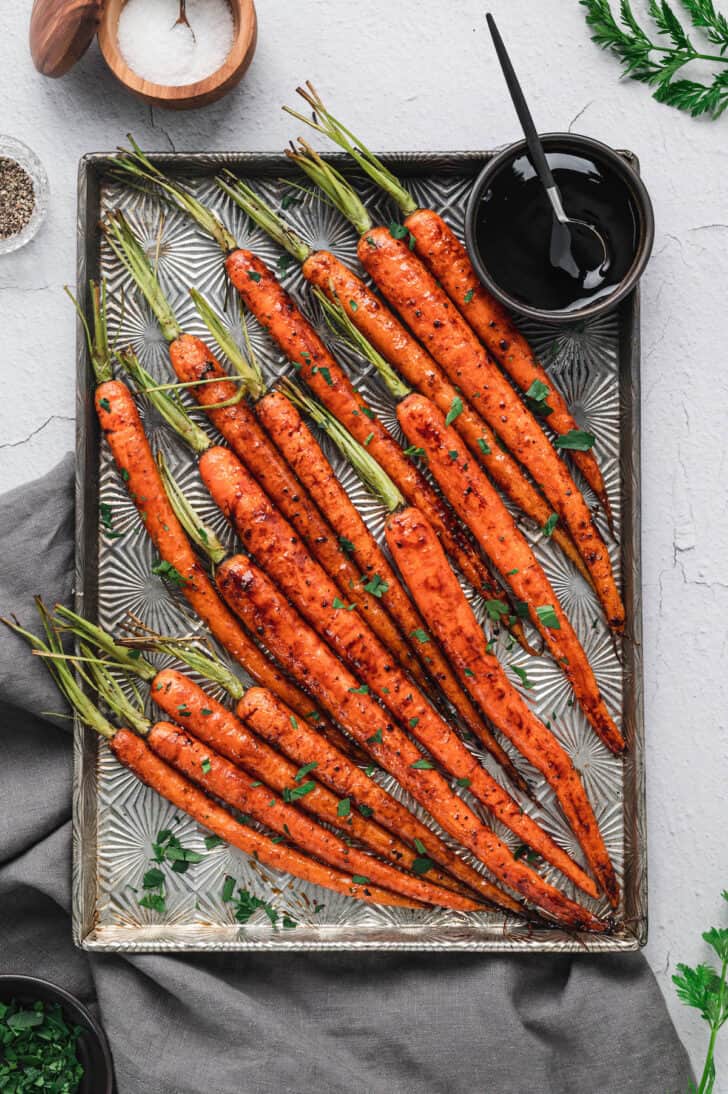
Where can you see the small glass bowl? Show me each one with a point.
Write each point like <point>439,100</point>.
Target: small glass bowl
<point>13,149</point>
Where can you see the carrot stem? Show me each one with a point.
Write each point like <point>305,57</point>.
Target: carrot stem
<point>66,619</point>
<point>197,531</point>
<point>374,476</point>
<point>130,253</point>
<point>247,367</point>
<point>333,184</point>
<point>262,215</point>
<point>169,407</point>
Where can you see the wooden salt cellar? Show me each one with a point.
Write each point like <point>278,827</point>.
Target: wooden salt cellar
<point>62,30</point>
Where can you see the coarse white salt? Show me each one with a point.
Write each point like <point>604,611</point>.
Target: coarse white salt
<point>158,49</point>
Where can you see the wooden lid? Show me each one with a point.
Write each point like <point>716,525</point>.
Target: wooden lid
<point>60,33</point>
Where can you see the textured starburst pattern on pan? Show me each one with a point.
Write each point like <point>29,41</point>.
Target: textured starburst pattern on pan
<point>117,819</point>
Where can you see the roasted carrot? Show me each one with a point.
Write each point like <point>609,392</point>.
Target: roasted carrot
<point>276,311</point>
<point>447,260</point>
<point>428,312</point>
<point>233,786</point>
<point>290,433</point>
<point>180,698</point>
<point>371,316</point>
<point>485,514</point>
<point>436,589</point>
<point>268,717</point>
<point>193,361</point>
<point>292,641</point>
<point>295,336</point>
<point>271,539</point>
<point>136,754</point>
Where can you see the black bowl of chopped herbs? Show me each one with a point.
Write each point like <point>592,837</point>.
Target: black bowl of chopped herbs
<point>49,1042</point>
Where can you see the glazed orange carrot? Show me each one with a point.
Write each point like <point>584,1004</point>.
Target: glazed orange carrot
<point>448,262</point>
<point>192,360</point>
<point>431,316</point>
<point>393,341</point>
<point>180,698</point>
<point>295,336</point>
<point>269,718</point>
<point>270,538</point>
<point>216,775</point>
<point>135,754</point>
<point>485,514</point>
<point>123,430</point>
<point>286,427</point>
<point>291,640</point>
<point>436,589</point>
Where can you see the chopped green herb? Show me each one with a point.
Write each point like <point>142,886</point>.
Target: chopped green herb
<point>376,738</point>
<point>365,810</point>
<point>483,446</point>
<point>453,453</point>
<point>363,689</point>
<point>469,295</point>
<point>206,765</point>
<point>105,404</point>
<point>153,879</point>
<point>522,675</point>
<point>125,474</point>
<point>548,617</point>
<point>228,889</point>
<point>576,440</point>
<point>369,770</point>
<point>167,570</point>
<point>339,605</point>
<point>456,409</point>
<point>292,794</point>
<point>353,305</point>
<point>360,879</point>
<point>206,712</point>
<point>154,901</point>
<point>496,609</point>
<point>414,450</point>
<point>253,275</point>
<point>413,722</point>
<point>346,545</point>
<point>423,765</point>
<point>422,864</point>
<point>367,440</point>
<point>325,372</point>
<point>368,412</point>
<point>303,771</point>
<point>468,672</point>
<point>548,528</point>
<point>376,586</point>
<point>343,809</point>
<point>211,842</point>
<point>420,847</point>
<point>463,783</point>
<point>420,635</point>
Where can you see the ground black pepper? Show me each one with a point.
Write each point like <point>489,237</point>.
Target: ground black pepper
<point>17,198</point>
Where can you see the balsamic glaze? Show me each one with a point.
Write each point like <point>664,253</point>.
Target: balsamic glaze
<point>513,229</point>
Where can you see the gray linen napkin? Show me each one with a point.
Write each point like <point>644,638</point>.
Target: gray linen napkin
<point>327,1023</point>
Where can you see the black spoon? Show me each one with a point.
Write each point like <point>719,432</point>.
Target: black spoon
<point>576,247</point>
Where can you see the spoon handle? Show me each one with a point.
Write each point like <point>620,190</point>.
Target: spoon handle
<point>535,147</point>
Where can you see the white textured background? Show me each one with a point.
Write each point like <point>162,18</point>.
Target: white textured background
<point>416,74</point>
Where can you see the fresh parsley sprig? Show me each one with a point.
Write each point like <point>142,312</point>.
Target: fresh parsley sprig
<point>660,62</point>
<point>706,989</point>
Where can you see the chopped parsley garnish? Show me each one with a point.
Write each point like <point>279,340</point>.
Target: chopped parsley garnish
<point>245,904</point>
<point>456,409</point>
<point>205,712</point>
<point>107,521</point>
<point>206,765</point>
<point>303,771</point>
<point>413,723</point>
<point>414,450</point>
<point>292,794</point>
<point>365,810</point>
<point>353,305</point>
<point>453,453</point>
<point>547,616</point>
<point>359,879</point>
<point>576,440</point>
<point>325,372</point>
<point>423,765</point>
<point>38,1049</point>
<point>339,605</point>
<point>376,738</point>
<point>463,783</point>
<point>469,295</point>
<point>368,440</point>
<point>496,609</point>
<point>363,689</point>
<point>376,586</point>
<point>169,572</point>
<point>346,545</point>
<point>343,809</point>
<point>422,864</point>
<point>420,635</point>
<point>293,721</point>
<point>468,672</point>
<point>253,275</point>
<point>522,675</point>
<point>105,404</point>
<point>484,448</point>
<point>536,397</point>
<point>548,528</point>
<point>399,231</point>
<point>211,842</point>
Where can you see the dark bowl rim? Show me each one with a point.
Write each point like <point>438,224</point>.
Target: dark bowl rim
<point>619,160</point>
<point>25,980</point>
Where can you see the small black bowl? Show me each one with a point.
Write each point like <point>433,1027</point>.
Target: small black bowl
<point>640,200</point>
<point>93,1049</point>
